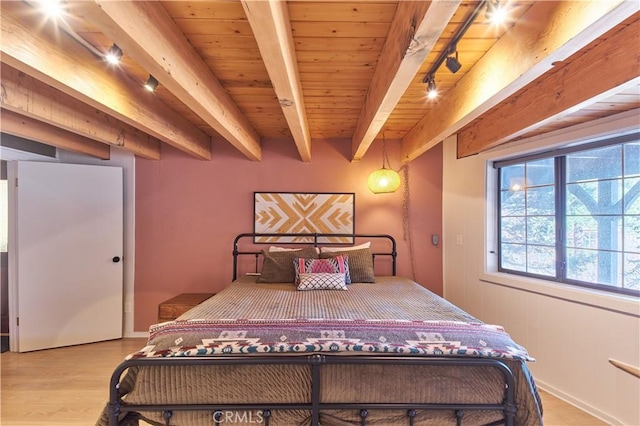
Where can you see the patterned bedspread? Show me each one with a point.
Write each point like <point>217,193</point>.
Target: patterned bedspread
<point>391,317</point>
<point>197,337</point>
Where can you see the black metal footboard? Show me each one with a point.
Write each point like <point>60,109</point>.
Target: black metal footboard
<point>118,408</point>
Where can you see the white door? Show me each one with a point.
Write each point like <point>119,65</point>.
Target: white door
<point>66,245</point>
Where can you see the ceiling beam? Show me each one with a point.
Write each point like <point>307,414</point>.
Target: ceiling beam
<point>29,128</point>
<point>270,24</point>
<point>416,27</point>
<point>61,62</point>
<point>603,69</point>
<point>27,96</point>
<point>146,32</point>
<point>547,33</point>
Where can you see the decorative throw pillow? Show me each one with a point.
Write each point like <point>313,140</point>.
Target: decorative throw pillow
<point>360,264</point>
<point>277,266</point>
<point>338,264</point>
<point>322,281</point>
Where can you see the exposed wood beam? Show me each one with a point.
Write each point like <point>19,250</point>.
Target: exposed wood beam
<point>415,28</point>
<point>146,32</point>
<point>29,128</point>
<point>547,33</point>
<point>270,24</point>
<point>61,62</point>
<point>27,96</point>
<point>604,68</point>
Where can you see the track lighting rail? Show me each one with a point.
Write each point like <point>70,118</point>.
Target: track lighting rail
<point>453,44</point>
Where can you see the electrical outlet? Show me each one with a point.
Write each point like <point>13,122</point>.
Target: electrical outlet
<point>459,239</point>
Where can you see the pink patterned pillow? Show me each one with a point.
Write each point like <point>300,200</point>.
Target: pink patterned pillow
<point>334,265</point>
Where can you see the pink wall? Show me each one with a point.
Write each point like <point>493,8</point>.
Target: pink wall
<point>188,212</point>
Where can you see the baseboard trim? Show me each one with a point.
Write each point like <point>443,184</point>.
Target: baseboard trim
<point>577,403</point>
<point>137,334</point>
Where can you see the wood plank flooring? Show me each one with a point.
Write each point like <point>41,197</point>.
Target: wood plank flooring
<point>64,386</point>
<point>68,387</point>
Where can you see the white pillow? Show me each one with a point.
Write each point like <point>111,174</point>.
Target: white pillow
<point>276,248</point>
<point>322,281</point>
<point>335,249</point>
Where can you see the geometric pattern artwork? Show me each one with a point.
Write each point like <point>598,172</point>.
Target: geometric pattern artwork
<point>303,212</point>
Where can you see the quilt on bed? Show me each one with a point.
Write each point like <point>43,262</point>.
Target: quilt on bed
<point>394,317</point>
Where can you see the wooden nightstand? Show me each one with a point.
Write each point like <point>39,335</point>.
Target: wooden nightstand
<point>176,306</point>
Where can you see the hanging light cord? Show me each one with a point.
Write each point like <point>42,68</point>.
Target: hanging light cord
<point>406,218</point>
<point>406,205</point>
<point>385,157</point>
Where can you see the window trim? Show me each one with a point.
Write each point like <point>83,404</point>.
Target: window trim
<point>559,152</point>
<point>559,156</point>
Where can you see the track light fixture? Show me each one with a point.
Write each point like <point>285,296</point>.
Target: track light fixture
<point>496,12</point>
<point>52,8</point>
<point>114,54</point>
<point>432,89</point>
<point>449,56</point>
<point>452,63</point>
<point>151,83</point>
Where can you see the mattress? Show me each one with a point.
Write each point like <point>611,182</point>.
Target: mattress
<point>375,318</point>
<point>390,297</point>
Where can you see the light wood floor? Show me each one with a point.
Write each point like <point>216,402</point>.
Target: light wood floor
<point>39,388</point>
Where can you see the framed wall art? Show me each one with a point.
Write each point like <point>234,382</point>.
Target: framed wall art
<point>304,212</point>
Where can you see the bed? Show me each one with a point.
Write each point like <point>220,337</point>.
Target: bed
<point>380,350</point>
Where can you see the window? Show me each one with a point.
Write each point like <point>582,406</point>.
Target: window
<point>573,215</point>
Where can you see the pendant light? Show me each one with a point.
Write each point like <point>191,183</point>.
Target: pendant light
<point>385,179</point>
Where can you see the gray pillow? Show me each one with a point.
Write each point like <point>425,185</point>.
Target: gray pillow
<point>277,266</point>
<point>360,264</point>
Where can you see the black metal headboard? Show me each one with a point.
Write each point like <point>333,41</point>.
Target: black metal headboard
<point>313,240</point>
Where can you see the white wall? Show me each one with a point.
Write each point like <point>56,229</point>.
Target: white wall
<point>571,332</point>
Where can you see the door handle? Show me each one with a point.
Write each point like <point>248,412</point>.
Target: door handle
<point>116,259</point>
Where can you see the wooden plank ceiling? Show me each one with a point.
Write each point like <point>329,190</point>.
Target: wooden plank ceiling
<point>299,71</point>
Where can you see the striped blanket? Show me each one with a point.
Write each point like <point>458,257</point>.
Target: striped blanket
<point>198,337</point>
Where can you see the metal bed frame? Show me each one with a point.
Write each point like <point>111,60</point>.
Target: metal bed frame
<point>313,240</point>
<point>117,406</point>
